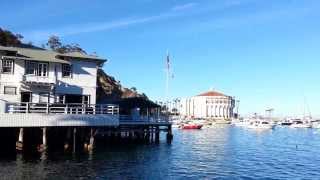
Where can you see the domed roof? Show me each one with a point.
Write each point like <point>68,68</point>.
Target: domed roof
<point>212,93</point>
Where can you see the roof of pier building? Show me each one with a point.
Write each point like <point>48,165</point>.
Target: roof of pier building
<point>47,55</point>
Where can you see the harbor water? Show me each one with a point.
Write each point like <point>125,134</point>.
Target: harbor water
<point>223,152</point>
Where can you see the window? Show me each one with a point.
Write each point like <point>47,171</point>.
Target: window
<point>43,98</point>
<point>60,99</point>
<point>31,67</point>
<point>42,69</point>
<point>35,68</point>
<point>66,70</point>
<point>10,90</point>
<point>85,99</point>
<point>7,66</point>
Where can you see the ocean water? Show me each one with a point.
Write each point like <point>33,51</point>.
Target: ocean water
<point>223,152</point>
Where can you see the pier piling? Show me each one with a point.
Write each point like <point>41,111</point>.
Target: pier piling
<point>67,140</point>
<point>91,141</point>
<point>43,146</point>
<point>169,134</point>
<point>19,143</point>
<point>157,136</point>
<point>74,139</point>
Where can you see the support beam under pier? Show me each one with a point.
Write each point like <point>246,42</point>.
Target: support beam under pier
<point>19,143</point>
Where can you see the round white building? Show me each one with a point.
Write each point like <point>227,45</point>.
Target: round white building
<point>208,105</point>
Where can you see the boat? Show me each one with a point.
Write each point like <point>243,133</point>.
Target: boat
<point>305,122</point>
<point>191,126</point>
<point>285,122</point>
<point>300,124</point>
<point>260,124</point>
<point>240,122</point>
<point>315,124</point>
<point>175,126</point>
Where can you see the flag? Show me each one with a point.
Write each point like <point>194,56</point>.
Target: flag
<point>170,74</point>
<point>168,61</point>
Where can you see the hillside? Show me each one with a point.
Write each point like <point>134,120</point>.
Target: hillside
<point>110,90</point>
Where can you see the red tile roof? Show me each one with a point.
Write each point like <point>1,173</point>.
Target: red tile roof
<point>212,93</point>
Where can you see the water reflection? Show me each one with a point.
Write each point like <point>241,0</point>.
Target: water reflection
<point>222,152</point>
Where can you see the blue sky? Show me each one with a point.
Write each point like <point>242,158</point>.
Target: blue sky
<point>265,53</point>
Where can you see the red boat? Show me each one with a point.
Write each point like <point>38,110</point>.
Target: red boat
<point>191,126</point>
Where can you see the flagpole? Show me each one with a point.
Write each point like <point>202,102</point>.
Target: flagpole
<point>167,76</point>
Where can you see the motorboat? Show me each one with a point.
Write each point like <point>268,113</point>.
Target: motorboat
<point>175,126</point>
<point>191,126</point>
<point>285,122</point>
<point>301,124</point>
<point>260,124</point>
<point>240,122</point>
<point>315,124</point>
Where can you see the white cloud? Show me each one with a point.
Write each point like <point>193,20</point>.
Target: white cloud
<point>183,6</point>
<point>39,35</point>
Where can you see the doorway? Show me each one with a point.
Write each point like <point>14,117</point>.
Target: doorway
<point>71,98</point>
<point>26,97</point>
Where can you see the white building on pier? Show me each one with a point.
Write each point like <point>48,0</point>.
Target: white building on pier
<point>41,88</point>
<point>42,76</point>
<point>208,105</point>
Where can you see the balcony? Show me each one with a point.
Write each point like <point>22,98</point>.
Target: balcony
<point>70,108</point>
<point>38,79</point>
<point>56,115</point>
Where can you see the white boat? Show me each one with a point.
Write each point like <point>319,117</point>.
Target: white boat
<point>240,122</point>
<point>300,124</point>
<point>176,126</point>
<point>305,122</point>
<point>316,124</point>
<point>285,122</point>
<point>260,124</point>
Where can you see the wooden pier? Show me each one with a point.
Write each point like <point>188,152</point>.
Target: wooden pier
<point>76,127</point>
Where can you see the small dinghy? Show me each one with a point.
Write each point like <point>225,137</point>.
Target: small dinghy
<point>191,126</point>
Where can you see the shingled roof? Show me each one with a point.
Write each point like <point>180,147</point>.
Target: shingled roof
<point>47,55</point>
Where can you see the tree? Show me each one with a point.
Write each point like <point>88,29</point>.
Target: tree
<point>7,38</point>
<point>134,89</point>
<point>55,44</point>
<point>144,96</point>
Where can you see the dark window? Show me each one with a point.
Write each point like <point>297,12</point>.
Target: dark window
<point>31,67</point>
<point>10,90</point>
<point>66,70</point>
<point>26,97</point>
<point>7,66</point>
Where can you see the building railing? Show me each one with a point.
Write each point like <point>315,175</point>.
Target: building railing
<point>39,79</point>
<point>69,108</point>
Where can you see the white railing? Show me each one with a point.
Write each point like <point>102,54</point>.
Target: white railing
<point>70,108</point>
<point>41,79</point>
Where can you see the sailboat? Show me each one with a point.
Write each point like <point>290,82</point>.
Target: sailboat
<point>298,123</point>
<point>305,122</point>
